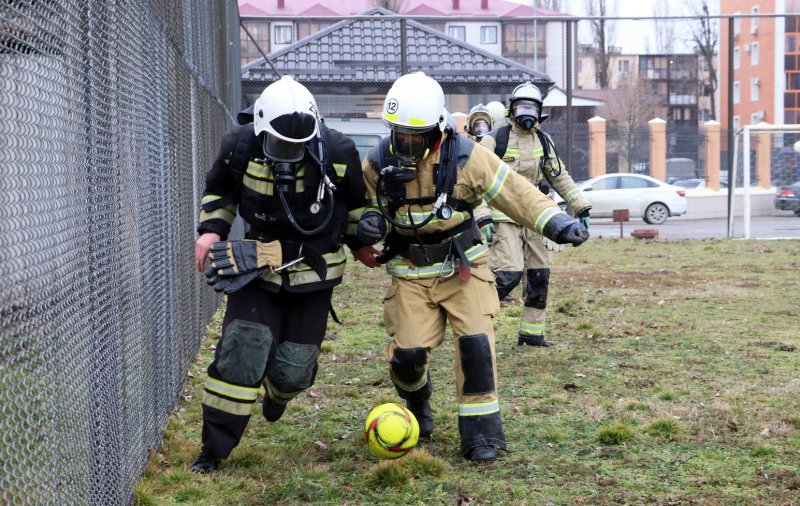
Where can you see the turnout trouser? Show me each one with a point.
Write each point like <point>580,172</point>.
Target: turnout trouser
<point>416,313</point>
<point>516,251</point>
<point>267,338</point>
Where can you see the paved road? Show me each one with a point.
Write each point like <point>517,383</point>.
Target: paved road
<point>776,225</point>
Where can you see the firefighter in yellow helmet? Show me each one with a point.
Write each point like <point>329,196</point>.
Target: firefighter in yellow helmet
<point>529,152</point>
<point>424,181</point>
<point>479,122</point>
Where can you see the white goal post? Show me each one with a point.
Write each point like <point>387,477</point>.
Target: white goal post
<point>745,132</point>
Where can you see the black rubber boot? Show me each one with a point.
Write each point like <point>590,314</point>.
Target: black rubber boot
<point>524,339</point>
<point>205,462</point>
<point>422,412</point>
<point>482,454</point>
<point>272,410</point>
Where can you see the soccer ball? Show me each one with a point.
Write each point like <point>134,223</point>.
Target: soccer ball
<point>391,431</point>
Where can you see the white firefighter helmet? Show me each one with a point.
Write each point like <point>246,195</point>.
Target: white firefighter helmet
<point>414,110</point>
<point>479,122</point>
<point>286,113</point>
<point>525,105</point>
<point>498,112</point>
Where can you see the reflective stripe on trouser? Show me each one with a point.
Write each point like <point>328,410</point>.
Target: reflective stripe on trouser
<point>414,319</point>
<point>264,334</point>
<point>537,281</point>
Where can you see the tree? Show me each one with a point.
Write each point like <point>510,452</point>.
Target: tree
<point>393,5</point>
<point>603,35</point>
<point>664,30</point>
<point>629,108</point>
<point>705,37</point>
<point>553,5</point>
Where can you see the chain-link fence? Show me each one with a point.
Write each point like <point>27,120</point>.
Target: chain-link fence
<point>110,113</point>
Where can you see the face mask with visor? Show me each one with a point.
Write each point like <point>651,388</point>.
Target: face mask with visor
<point>526,113</point>
<point>410,145</point>
<point>480,128</point>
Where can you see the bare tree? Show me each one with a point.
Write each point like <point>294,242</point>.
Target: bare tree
<point>664,30</point>
<point>553,5</point>
<point>603,37</point>
<point>628,109</point>
<point>393,5</point>
<point>705,37</point>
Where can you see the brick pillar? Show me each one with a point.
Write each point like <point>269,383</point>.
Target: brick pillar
<point>658,148</point>
<point>597,146</point>
<point>712,131</point>
<point>763,160</point>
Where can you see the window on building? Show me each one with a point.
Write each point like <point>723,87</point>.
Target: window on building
<point>737,58</point>
<point>793,81</point>
<point>282,34</point>
<point>623,66</point>
<point>737,92</point>
<point>737,122</point>
<point>755,85</point>
<point>520,45</point>
<point>754,21</point>
<point>307,28</point>
<point>754,53</point>
<point>737,25</point>
<point>488,35</point>
<point>260,32</point>
<point>755,118</point>
<point>791,43</point>
<point>458,32</point>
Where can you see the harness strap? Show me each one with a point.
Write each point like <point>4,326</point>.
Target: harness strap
<point>423,255</point>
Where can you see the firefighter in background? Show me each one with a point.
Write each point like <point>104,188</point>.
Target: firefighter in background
<point>479,122</point>
<point>530,152</point>
<point>498,113</point>
<point>424,181</point>
<point>299,188</point>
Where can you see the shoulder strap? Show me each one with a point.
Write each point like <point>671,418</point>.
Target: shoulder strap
<point>544,140</point>
<point>503,133</point>
<point>241,153</point>
<point>320,147</point>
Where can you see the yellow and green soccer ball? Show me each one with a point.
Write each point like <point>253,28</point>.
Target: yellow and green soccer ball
<point>391,430</point>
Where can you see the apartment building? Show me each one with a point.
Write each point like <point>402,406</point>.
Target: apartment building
<point>766,62</point>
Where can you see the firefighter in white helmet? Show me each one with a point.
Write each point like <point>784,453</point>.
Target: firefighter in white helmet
<point>531,153</point>
<point>299,188</point>
<point>498,112</point>
<point>424,181</point>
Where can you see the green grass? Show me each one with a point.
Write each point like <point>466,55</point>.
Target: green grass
<point>674,381</point>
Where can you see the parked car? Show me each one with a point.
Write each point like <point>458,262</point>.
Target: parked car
<point>645,197</point>
<point>788,198</point>
<point>696,183</point>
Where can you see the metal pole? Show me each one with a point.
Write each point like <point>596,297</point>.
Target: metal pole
<point>731,188</point>
<point>731,134</point>
<point>746,174</point>
<point>568,86</point>
<point>403,45</point>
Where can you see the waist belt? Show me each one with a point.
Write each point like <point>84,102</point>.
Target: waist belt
<point>295,249</point>
<point>423,255</point>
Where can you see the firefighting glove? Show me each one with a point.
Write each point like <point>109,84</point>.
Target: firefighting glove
<point>371,228</point>
<point>233,264</point>
<point>572,233</point>
<point>583,217</point>
<point>487,228</point>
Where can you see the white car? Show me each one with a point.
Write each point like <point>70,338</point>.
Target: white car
<point>643,196</point>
